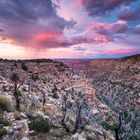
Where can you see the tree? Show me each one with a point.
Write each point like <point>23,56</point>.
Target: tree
<point>55,93</point>
<point>43,97</point>
<point>75,111</point>
<point>15,79</point>
<point>34,77</point>
<point>125,127</point>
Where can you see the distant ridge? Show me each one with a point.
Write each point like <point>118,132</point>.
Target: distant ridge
<point>135,57</point>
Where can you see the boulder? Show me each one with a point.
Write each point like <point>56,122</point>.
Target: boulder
<point>78,136</point>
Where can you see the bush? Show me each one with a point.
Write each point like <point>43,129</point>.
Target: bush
<point>5,104</point>
<point>40,125</point>
<point>14,77</point>
<point>55,94</point>
<point>23,66</point>
<point>110,127</point>
<point>2,132</point>
<point>133,137</point>
<point>45,110</point>
<point>4,122</point>
<point>35,77</point>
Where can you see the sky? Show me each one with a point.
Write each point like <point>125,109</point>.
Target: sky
<point>69,28</point>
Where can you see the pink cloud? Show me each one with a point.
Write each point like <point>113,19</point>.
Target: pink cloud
<point>101,39</point>
<point>117,27</point>
<point>47,36</point>
<point>55,40</point>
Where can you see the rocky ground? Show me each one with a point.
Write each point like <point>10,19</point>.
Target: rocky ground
<point>117,85</point>
<point>40,87</point>
<point>118,81</point>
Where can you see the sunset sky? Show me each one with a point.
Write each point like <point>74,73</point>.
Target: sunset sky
<point>69,28</point>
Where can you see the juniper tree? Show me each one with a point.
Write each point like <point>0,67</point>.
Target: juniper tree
<point>15,79</point>
<point>74,104</point>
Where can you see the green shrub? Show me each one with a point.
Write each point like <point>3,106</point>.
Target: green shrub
<point>2,132</point>
<point>55,94</point>
<point>14,77</point>
<point>5,104</point>
<point>45,110</point>
<point>35,77</point>
<point>133,137</point>
<point>110,127</point>
<point>4,122</point>
<point>40,125</point>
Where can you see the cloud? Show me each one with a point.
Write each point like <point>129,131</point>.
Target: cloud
<point>24,20</point>
<point>136,29</point>
<point>122,51</point>
<point>128,14</point>
<point>1,30</point>
<point>99,7</point>
<point>59,40</point>
<point>102,27</point>
<point>80,49</point>
<point>108,32</point>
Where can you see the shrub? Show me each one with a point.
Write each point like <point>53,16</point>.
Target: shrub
<point>2,132</point>
<point>40,125</point>
<point>45,110</point>
<point>110,127</point>
<point>133,137</point>
<point>4,122</point>
<point>55,94</point>
<point>23,66</point>
<point>14,77</point>
<point>5,104</point>
<point>34,77</point>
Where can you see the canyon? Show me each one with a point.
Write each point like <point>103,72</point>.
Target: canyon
<point>111,88</point>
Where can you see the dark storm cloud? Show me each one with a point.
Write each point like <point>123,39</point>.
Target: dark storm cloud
<point>98,7</point>
<point>23,20</point>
